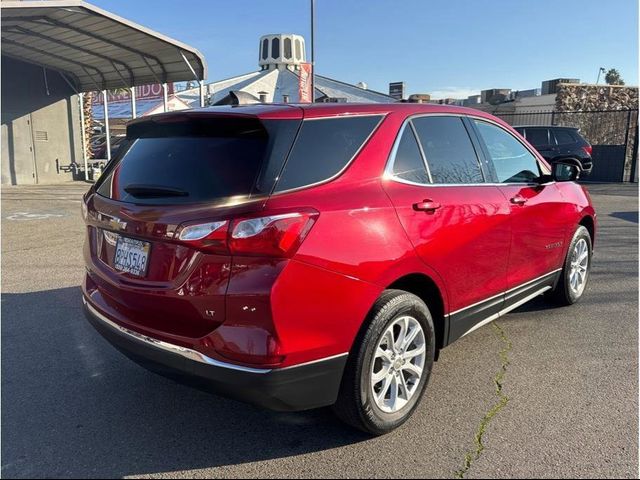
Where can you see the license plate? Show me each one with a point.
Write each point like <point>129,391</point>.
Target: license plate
<point>132,256</point>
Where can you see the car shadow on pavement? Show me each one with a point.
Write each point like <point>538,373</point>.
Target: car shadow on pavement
<point>73,406</point>
<point>628,216</point>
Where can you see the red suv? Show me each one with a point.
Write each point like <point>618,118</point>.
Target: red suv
<point>300,256</point>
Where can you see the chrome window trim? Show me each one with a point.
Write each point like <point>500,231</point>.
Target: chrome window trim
<point>346,115</point>
<point>189,353</point>
<point>347,165</point>
<point>416,137</point>
<point>388,171</point>
<point>394,151</point>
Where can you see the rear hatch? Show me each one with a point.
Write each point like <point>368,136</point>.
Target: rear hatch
<point>175,170</point>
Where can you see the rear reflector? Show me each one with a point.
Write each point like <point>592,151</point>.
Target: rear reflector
<point>277,235</point>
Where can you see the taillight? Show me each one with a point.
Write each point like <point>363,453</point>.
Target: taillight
<point>273,235</point>
<point>278,235</point>
<point>588,149</point>
<point>210,237</point>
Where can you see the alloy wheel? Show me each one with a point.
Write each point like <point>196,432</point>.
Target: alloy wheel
<point>579,267</point>
<point>398,364</point>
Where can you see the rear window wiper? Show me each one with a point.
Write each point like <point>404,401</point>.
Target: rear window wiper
<point>151,191</point>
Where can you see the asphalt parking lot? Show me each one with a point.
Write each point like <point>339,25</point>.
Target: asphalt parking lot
<point>74,407</point>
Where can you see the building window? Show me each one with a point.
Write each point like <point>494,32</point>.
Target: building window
<point>298,50</point>
<point>287,48</point>
<point>265,49</point>
<point>275,48</point>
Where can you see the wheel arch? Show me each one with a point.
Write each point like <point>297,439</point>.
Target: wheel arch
<point>425,288</point>
<point>589,223</point>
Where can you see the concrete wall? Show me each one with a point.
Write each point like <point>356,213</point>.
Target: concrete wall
<point>540,103</point>
<point>40,126</point>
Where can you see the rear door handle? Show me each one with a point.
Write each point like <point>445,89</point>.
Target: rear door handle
<point>427,205</point>
<point>518,200</point>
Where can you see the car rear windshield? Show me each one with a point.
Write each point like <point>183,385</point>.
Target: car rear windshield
<point>194,160</point>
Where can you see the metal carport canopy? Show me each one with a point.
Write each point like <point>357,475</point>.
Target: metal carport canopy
<point>92,48</point>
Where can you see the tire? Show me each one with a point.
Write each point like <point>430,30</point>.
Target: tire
<point>357,405</point>
<point>564,292</point>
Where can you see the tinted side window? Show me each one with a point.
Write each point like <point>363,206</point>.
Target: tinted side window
<point>323,148</point>
<point>513,163</point>
<point>538,136</point>
<point>408,163</point>
<point>448,150</point>
<point>564,137</point>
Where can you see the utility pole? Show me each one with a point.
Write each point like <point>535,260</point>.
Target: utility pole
<point>313,57</point>
<point>600,70</point>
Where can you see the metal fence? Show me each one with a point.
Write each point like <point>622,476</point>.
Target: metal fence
<point>612,133</point>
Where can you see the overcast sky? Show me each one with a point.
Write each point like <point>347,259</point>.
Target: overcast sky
<point>449,48</point>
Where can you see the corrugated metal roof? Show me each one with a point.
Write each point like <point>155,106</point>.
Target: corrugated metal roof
<point>94,49</point>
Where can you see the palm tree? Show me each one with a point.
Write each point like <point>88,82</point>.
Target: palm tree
<point>87,109</point>
<point>613,77</point>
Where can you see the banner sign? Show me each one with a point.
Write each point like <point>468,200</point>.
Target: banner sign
<point>396,90</point>
<point>304,83</point>
<point>143,92</point>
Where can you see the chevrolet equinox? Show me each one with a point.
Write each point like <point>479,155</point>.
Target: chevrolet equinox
<point>300,256</point>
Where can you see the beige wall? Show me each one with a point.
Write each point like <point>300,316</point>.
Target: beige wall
<point>40,125</point>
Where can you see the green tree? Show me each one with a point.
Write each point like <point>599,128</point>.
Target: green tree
<point>613,77</point>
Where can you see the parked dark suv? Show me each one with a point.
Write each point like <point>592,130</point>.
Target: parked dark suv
<point>559,143</point>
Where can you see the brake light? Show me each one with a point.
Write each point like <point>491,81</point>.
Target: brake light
<point>588,149</point>
<point>273,235</point>
<point>277,235</point>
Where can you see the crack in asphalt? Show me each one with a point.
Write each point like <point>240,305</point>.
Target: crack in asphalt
<point>474,455</point>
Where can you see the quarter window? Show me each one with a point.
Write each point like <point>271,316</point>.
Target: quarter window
<point>448,150</point>
<point>538,136</point>
<point>563,137</point>
<point>513,163</point>
<point>408,163</point>
<point>323,148</point>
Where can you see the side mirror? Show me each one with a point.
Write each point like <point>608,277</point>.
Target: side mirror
<point>565,172</point>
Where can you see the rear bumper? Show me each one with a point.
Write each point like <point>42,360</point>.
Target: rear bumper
<point>300,387</point>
